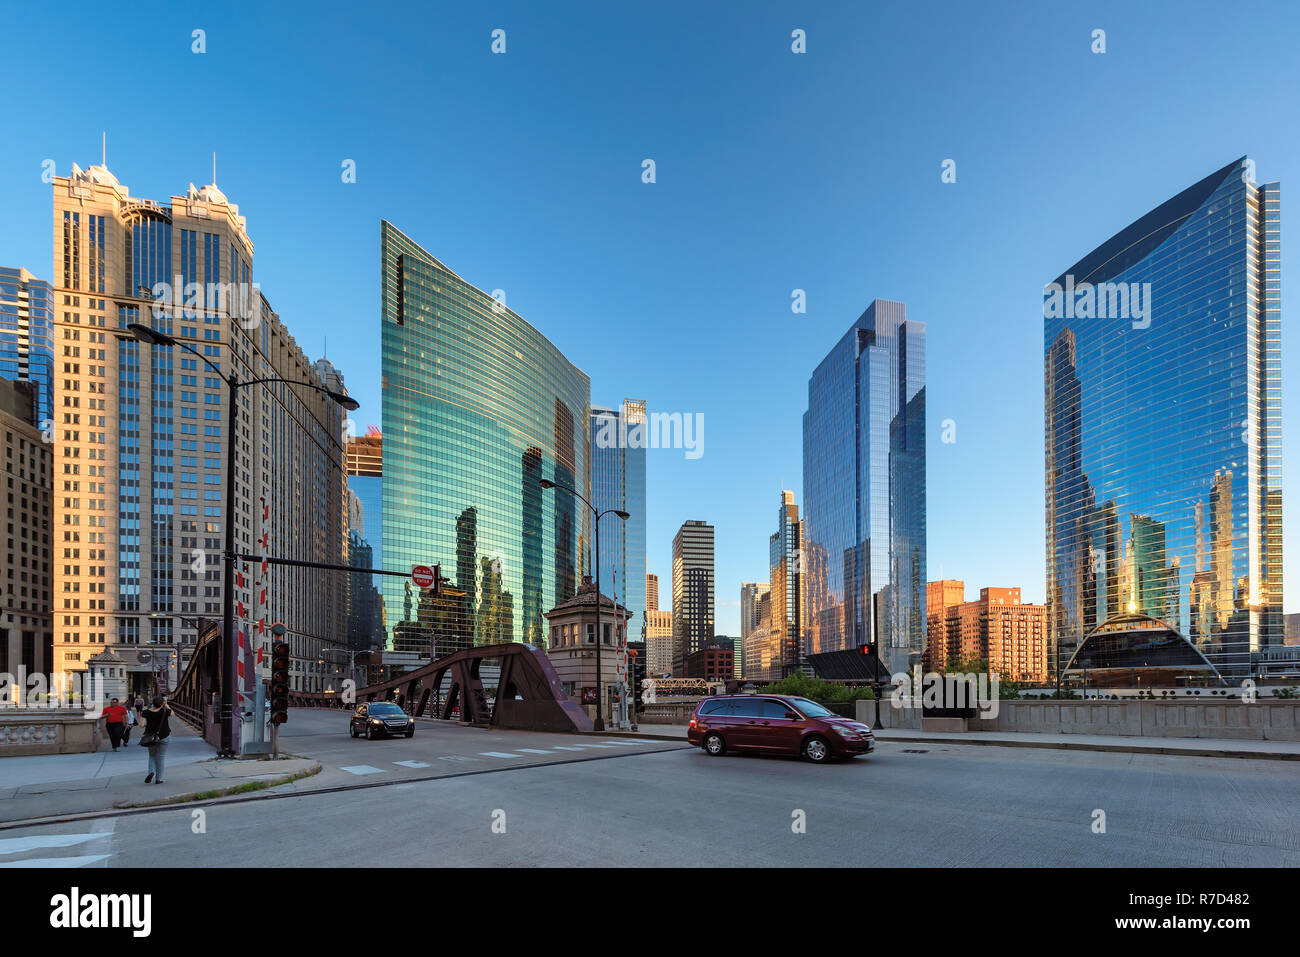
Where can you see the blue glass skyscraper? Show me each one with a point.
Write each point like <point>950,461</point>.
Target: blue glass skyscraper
<point>27,336</point>
<point>863,557</point>
<point>618,451</point>
<point>1162,425</point>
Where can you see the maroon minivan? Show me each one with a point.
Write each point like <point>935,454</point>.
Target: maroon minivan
<point>776,724</point>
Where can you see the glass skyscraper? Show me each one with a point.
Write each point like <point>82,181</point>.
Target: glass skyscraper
<point>618,450</point>
<point>1162,422</point>
<point>863,556</point>
<point>478,407</point>
<point>27,336</point>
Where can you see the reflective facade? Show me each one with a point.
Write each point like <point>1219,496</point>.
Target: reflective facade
<point>27,336</point>
<point>1163,466</point>
<point>478,407</point>
<point>618,481</point>
<point>864,490</point>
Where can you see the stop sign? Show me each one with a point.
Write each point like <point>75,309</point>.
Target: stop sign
<point>422,575</point>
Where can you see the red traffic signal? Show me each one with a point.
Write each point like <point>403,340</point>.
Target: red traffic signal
<point>279,677</point>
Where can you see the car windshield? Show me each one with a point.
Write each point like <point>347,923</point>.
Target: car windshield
<point>385,709</point>
<point>811,709</point>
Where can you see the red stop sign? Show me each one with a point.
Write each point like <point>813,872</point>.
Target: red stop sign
<point>422,575</point>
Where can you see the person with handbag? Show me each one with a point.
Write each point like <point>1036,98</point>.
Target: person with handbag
<point>128,723</point>
<point>114,721</point>
<point>157,730</point>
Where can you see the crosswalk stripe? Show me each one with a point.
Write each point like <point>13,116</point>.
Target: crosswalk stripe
<point>361,769</point>
<point>19,845</point>
<point>57,861</point>
<point>534,751</point>
<point>629,743</point>
<point>412,764</point>
<point>499,754</point>
<point>565,747</point>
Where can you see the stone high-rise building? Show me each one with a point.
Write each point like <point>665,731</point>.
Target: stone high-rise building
<point>141,434</point>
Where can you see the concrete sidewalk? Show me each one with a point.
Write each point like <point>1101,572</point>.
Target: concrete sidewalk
<point>1198,747</point>
<point>60,784</point>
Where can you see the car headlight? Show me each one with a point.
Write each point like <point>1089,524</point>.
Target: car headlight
<point>844,732</point>
<point>375,721</point>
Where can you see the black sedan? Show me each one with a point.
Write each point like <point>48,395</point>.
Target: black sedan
<point>380,719</point>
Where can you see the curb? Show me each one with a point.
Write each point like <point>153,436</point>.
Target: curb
<point>1090,746</point>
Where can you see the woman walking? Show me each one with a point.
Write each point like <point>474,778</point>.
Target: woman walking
<point>128,723</point>
<point>157,730</point>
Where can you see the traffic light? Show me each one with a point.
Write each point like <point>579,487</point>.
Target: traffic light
<point>638,669</point>
<point>279,675</point>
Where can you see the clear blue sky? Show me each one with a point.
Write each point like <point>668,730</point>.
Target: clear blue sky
<point>775,171</point>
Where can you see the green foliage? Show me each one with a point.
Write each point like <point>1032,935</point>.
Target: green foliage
<point>1291,692</point>
<point>801,686</point>
<point>1008,690</point>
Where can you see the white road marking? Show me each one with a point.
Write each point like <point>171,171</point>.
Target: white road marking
<point>565,747</point>
<point>534,751</point>
<point>20,845</point>
<point>630,743</point>
<point>499,754</point>
<point>412,764</point>
<point>361,769</point>
<point>57,861</point>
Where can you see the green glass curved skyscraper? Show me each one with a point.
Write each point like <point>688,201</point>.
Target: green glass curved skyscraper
<point>478,407</point>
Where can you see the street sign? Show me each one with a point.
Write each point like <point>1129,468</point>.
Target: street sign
<point>422,575</point>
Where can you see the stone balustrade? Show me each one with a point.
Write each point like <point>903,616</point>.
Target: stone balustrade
<point>26,731</point>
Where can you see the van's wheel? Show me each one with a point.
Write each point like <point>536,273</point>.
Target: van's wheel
<point>816,750</point>
<point>714,746</point>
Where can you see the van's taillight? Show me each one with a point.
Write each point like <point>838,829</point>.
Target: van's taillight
<point>692,722</point>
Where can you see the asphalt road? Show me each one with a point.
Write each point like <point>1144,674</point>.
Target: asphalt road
<point>946,806</point>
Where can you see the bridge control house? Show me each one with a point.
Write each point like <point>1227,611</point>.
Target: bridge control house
<point>572,645</point>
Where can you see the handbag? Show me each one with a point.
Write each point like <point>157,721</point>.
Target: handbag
<point>148,739</point>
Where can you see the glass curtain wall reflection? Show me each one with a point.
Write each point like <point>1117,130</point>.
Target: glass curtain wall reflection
<point>1162,425</point>
<point>864,490</point>
<point>477,406</point>
<point>618,464</point>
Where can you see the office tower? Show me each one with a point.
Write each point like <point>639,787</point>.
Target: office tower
<point>750,593</point>
<point>141,435</point>
<point>864,490</point>
<point>757,647</point>
<point>479,408</point>
<point>26,637</point>
<point>365,469</point>
<point>1162,425</point>
<point>785,565</point>
<point>27,336</point>
<point>659,641</point>
<point>1008,635</point>
<point>692,591</point>
<point>651,592</point>
<point>618,450</point>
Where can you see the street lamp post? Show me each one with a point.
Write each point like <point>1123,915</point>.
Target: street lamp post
<point>229,664</point>
<point>599,724</point>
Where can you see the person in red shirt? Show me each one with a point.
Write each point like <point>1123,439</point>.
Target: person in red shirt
<point>115,721</point>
